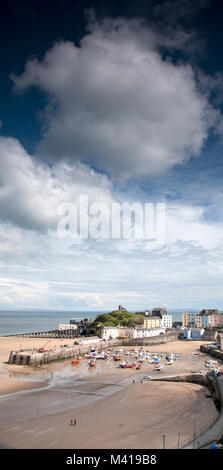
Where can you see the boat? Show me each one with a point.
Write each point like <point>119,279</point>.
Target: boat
<point>117,358</point>
<point>168,363</point>
<point>158,368</point>
<point>76,361</point>
<point>92,363</point>
<point>122,364</point>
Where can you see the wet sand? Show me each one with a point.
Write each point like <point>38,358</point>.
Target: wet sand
<point>111,411</point>
<point>135,417</point>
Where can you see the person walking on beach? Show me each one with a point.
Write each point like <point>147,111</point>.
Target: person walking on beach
<point>71,421</point>
<point>75,422</point>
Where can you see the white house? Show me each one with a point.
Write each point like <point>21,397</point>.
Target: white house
<point>145,333</point>
<point>109,332</point>
<point>166,321</point>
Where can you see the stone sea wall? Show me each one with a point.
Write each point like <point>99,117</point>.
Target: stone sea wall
<point>34,358</point>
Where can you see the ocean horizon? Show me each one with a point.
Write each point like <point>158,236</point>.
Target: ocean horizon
<point>29,321</point>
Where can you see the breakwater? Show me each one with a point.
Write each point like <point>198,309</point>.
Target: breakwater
<point>33,357</point>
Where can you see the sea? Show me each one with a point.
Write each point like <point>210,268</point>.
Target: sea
<point>30,321</point>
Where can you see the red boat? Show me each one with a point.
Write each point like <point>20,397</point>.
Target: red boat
<point>92,363</point>
<point>76,361</point>
<point>117,358</point>
<point>129,366</point>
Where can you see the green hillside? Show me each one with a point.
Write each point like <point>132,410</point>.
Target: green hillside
<point>119,318</point>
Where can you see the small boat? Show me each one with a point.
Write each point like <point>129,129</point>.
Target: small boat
<point>117,358</point>
<point>76,361</point>
<point>122,364</point>
<point>92,363</point>
<point>158,368</point>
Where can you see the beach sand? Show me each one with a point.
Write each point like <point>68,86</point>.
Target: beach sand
<point>111,410</point>
<point>135,417</point>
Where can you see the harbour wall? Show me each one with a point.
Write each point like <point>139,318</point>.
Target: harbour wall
<point>213,352</point>
<point>34,358</point>
<point>206,380</point>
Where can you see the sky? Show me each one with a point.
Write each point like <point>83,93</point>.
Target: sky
<point>120,101</point>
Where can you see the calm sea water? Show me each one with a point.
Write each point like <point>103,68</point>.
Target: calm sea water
<point>13,322</point>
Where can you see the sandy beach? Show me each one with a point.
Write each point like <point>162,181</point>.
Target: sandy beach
<point>111,410</point>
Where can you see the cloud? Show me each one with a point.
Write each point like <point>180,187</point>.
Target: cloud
<point>41,270</point>
<point>31,191</point>
<point>116,103</point>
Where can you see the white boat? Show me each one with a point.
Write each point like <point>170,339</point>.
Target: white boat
<point>122,364</point>
<point>158,368</point>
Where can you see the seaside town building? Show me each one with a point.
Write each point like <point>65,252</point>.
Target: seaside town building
<point>121,308</point>
<point>188,319</point>
<point>108,332</point>
<point>210,311</point>
<point>166,321</point>
<point>207,318</point>
<point>147,313</point>
<point>151,322</point>
<point>193,333</point>
<point>198,321</point>
<point>116,332</point>
<point>145,333</point>
<point>159,312</point>
<point>162,320</point>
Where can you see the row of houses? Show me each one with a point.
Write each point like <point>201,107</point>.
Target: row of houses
<point>116,332</point>
<point>206,318</point>
<point>154,324</point>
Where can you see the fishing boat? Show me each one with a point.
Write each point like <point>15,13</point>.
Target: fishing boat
<point>122,364</point>
<point>158,368</point>
<point>92,363</point>
<point>76,361</point>
<point>117,358</point>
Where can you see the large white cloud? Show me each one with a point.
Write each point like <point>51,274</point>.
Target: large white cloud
<point>117,103</point>
<point>38,269</point>
<point>31,191</point>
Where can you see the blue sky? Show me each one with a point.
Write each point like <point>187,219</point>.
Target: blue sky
<point>122,102</point>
